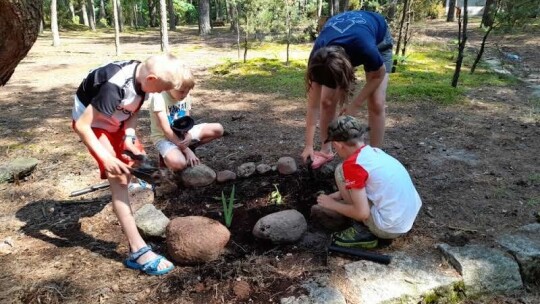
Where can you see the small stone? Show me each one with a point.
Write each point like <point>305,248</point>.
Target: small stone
<point>263,168</point>
<point>242,290</point>
<point>225,176</point>
<point>246,170</point>
<point>286,165</point>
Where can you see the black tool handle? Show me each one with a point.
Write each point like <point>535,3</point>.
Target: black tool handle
<point>362,254</point>
<point>90,189</point>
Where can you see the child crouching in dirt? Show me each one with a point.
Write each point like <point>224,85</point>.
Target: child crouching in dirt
<point>165,108</point>
<point>105,112</point>
<point>374,189</point>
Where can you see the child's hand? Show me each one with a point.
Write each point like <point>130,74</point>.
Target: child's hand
<point>184,143</point>
<point>132,144</point>
<point>115,166</point>
<point>191,158</point>
<point>308,152</point>
<point>325,201</point>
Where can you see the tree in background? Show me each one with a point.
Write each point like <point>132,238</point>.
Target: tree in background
<point>504,15</point>
<point>450,17</point>
<point>19,27</point>
<point>54,24</point>
<point>163,28</point>
<point>116,28</point>
<point>172,15</point>
<point>462,41</point>
<point>204,18</point>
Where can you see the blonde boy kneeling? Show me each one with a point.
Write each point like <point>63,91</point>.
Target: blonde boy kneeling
<point>374,189</point>
<point>165,108</point>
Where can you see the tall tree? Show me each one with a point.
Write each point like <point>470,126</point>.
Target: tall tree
<point>84,12</point>
<point>102,13</point>
<point>204,18</point>
<point>92,15</point>
<point>116,27</point>
<point>19,27</point>
<point>164,34</point>
<point>462,39</point>
<point>121,19</point>
<point>450,17</point>
<point>54,24</point>
<point>487,16</point>
<point>172,15</point>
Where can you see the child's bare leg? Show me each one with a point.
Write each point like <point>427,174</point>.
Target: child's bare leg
<point>175,160</point>
<point>340,182</point>
<point>122,209</point>
<point>210,131</point>
<point>376,116</point>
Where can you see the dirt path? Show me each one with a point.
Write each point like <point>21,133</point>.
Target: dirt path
<point>475,165</point>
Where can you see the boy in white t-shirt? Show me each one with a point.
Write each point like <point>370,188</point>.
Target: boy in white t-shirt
<point>165,108</point>
<point>374,189</point>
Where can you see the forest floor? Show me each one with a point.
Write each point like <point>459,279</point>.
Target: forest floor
<point>475,164</point>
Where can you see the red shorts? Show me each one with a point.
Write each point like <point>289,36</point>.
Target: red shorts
<point>116,141</point>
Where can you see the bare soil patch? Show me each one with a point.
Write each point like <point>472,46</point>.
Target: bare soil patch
<point>476,167</point>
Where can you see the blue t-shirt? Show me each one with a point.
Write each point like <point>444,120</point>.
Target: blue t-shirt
<point>358,32</point>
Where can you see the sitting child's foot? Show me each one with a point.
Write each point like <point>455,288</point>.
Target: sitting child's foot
<point>355,236</point>
<point>148,262</point>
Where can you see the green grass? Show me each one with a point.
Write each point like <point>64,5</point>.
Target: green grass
<point>425,75</point>
<point>261,75</point>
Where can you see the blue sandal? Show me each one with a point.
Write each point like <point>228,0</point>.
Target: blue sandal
<point>150,267</point>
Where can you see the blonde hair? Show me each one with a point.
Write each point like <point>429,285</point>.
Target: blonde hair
<point>165,67</point>
<point>188,81</point>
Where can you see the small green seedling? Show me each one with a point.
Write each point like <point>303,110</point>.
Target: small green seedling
<point>275,196</point>
<point>228,208</point>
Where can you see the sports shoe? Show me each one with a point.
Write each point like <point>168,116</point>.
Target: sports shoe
<point>139,184</point>
<point>356,237</point>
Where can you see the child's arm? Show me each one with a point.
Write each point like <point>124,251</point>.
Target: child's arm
<point>358,209</point>
<point>129,134</point>
<point>83,127</point>
<point>163,124</point>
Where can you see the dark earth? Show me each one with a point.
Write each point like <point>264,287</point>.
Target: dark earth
<point>476,166</point>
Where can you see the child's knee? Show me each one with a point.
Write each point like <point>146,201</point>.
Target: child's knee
<point>176,164</point>
<point>219,130</point>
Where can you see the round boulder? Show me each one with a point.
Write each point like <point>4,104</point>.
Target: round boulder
<point>286,165</point>
<point>196,239</point>
<point>286,226</point>
<point>198,176</point>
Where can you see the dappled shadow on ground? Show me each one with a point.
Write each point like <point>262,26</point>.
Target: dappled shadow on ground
<point>58,223</point>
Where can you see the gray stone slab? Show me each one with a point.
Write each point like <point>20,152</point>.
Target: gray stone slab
<point>484,270</point>
<point>524,245</point>
<point>320,291</point>
<point>17,168</point>
<point>151,221</point>
<point>407,278</point>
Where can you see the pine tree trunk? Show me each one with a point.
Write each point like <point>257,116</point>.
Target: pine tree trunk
<point>84,13</point>
<point>463,41</point>
<point>19,27</point>
<point>136,15</point>
<point>319,8</point>
<point>102,12</point>
<point>487,16</point>
<point>204,18</point>
<point>233,12</point>
<point>164,34</point>
<point>482,47</point>
<point>92,15</point>
<point>451,11</point>
<point>54,24</point>
<point>121,20</point>
<point>172,15</point>
<point>116,27</point>
<point>407,28</point>
<point>72,11</point>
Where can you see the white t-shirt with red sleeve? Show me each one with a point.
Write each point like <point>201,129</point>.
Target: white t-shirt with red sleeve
<point>388,186</point>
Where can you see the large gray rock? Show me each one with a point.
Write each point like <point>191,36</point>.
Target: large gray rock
<point>286,165</point>
<point>407,277</point>
<point>151,221</point>
<point>198,176</point>
<point>196,239</point>
<point>286,226</point>
<point>320,292</point>
<point>246,170</point>
<point>484,270</point>
<point>524,245</point>
<point>16,169</point>
<point>328,219</point>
